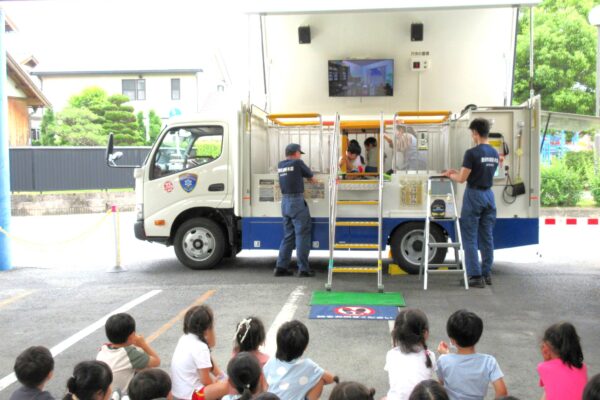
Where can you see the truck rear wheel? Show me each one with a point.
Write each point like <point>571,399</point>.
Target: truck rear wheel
<point>407,246</point>
<point>199,243</point>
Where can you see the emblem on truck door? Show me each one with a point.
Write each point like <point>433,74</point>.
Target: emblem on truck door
<point>188,181</point>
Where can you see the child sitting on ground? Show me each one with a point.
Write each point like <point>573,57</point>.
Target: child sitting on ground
<point>249,336</point>
<point>592,389</point>
<point>409,362</point>
<point>194,373</point>
<point>563,374</point>
<point>91,380</point>
<point>289,376</point>
<point>245,376</point>
<point>150,384</point>
<point>467,374</point>
<point>33,368</point>
<point>351,391</point>
<point>429,390</point>
<point>123,354</point>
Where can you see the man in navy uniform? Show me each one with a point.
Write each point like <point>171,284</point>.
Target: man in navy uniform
<point>478,215</point>
<point>296,216</point>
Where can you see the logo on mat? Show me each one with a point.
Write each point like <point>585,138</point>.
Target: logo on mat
<point>354,311</point>
<point>188,181</point>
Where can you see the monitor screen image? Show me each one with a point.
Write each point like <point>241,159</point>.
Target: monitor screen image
<point>358,78</point>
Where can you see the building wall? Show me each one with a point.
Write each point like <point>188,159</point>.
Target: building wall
<point>471,53</point>
<point>18,122</point>
<point>59,90</point>
<point>13,90</point>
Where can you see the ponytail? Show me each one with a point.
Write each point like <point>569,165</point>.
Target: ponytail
<point>198,320</point>
<point>564,341</point>
<point>246,394</point>
<point>89,378</point>
<point>244,374</point>
<point>410,329</point>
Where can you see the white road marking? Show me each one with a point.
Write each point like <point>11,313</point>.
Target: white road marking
<point>285,314</point>
<point>70,341</point>
<point>391,325</point>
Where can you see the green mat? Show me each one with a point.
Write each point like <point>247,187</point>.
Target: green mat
<point>357,299</point>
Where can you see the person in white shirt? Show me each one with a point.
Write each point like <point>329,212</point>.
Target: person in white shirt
<point>193,371</point>
<point>409,362</point>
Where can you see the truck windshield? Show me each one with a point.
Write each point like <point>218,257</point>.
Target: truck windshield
<point>186,148</point>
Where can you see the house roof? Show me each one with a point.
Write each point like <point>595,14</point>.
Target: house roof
<point>118,72</point>
<point>23,81</point>
<point>9,26</point>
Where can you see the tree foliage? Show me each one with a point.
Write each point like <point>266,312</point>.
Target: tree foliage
<point>565,56</point>
<point>47,135</point>
<point>88,119</point>
<point>155,125</point>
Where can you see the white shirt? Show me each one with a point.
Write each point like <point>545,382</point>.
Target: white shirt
<point>191,354</point>
<point>406,370</point>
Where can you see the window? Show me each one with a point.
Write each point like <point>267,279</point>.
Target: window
<point>135,89</point>
<point>185,148</point>
<point>175,89</point>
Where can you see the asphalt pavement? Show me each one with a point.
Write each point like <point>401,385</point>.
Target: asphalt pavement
<point>59,292</point>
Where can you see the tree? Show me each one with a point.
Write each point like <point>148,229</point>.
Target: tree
<point>93,98</point>
<point>565,56</point>
<point>120,120</point>
<point>48,135</point>
<point>141,124</point>
<point>155,125</point>
<point>77,127</point>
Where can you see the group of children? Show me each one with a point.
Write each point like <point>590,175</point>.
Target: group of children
<point>127,365</point>
<point>354,162</point>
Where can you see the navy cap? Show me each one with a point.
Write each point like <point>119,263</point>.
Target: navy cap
<point>292,148</point>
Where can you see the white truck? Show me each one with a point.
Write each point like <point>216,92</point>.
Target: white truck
<point>209,185</point>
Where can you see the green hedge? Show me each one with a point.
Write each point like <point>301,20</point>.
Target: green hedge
<point>561,186</point>
<point>595,188</point>
<point>581,162</point>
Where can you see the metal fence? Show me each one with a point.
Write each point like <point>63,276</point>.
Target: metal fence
<point>43,169</point>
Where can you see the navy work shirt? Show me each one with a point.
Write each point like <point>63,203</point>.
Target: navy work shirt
<point>482,160</point>
<point>292,174</point>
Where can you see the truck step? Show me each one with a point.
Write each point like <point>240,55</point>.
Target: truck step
<point>357,223</point>
<point>445,245</point>
<point>442,219</point>
<point>358,182</point>
<point>355,270</point>
<point>358,246</point>
<point>442,267</point>
<point>358,202</point>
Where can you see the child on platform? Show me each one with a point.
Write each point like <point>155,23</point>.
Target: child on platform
<point>193,371</point>
<point>249,336</point>
<point>127,351</point>
<point>563,375</point>
<point>372,154</point>
<point>288,375</point>
<point>467,374</point>
<point>33,368</point>
<point>409,362</point>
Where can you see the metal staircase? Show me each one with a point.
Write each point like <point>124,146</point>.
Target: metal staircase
<point>441,187</point>
<point>372,183</point>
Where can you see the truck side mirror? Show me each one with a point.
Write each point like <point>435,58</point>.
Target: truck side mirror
<point>111,156</point>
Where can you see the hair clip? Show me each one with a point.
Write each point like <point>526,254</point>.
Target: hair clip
<point>245,323</point>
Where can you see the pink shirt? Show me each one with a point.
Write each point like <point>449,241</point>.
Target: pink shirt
<point>560,381</point>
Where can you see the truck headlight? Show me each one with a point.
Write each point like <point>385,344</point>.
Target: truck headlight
<point>139,212</point>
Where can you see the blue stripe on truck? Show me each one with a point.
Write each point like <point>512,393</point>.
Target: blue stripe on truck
<point>266,232</point>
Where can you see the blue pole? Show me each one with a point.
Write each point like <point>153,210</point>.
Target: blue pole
<point>5,263</point>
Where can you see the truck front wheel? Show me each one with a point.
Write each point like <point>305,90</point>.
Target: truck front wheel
<point>199,243</point>
<point>407,246</point>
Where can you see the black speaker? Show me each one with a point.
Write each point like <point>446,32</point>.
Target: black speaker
<point>304,34</point>
<point>416,32</point>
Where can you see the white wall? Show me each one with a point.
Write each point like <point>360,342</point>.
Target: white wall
<point>13,90</point>
<point>471,53</point>
<point>59,90</point>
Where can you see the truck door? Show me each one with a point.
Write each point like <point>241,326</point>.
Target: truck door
<point>189,168</point>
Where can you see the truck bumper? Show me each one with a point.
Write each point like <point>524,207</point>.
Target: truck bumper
<point>138,229</point>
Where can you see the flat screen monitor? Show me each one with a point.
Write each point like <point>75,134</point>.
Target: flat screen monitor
<point>361,78</point>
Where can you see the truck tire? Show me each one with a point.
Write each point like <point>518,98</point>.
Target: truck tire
<point>407,246</point>
<point>199,243</point>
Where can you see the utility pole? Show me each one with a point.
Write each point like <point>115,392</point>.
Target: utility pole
<point>5,259</point>
<point>594,19</point>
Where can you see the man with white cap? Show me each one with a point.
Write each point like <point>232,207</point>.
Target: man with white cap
<point>295,212</point>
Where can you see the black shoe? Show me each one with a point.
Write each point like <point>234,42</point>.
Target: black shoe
<point>475,282</point>
<point>283,272</point>
<point>305,274</point>
<point>488,279</point>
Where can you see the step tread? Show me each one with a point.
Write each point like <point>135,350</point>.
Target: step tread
<point>356,246</point>
<point>357,223</point>
<point>445,244</point>
<point>358,202</point>
<point>356,270</point>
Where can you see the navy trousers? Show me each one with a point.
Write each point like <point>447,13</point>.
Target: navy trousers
<point>296,232</point>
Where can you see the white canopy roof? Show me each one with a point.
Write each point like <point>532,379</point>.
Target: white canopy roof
<point>336,6</point>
